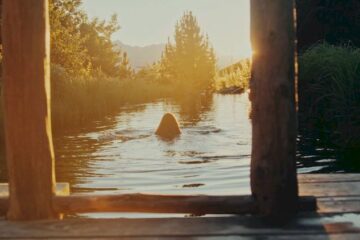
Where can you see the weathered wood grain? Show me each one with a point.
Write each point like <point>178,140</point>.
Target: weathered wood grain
<point>335,193</point>
<point>62,189</point>
<point>27,118</point>
<point>330,189</point>
<point>272,85</point>
<point>321,236</point>
<point>145,203</point>
<point>328,177</point>
<point>172,228</point>
<point>305,226</point>
<point>338,205</point>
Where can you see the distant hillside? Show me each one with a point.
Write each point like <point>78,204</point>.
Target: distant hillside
<point>226,60</point>
<point>241,64</point>
<point>142,56</point>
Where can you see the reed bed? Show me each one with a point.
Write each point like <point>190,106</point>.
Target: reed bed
<point>234,79</point>
<point>329,87</point>
<point>76,101</point>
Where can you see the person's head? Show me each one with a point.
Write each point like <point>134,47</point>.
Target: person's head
<point>168,127</point>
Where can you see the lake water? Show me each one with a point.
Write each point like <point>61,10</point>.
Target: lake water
<point>121,153</point>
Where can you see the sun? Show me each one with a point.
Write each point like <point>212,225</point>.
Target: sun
<point>246,51</point>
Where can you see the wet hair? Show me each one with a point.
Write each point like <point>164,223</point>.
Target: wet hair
<point>168,127</point>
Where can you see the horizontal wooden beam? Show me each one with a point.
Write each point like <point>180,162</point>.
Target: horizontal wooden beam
<point>144,203</point>
<point>196,204</point>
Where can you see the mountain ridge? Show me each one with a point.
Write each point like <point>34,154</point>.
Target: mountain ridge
<point>142,56</point>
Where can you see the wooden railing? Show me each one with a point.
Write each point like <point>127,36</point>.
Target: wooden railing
<point>149,203</point>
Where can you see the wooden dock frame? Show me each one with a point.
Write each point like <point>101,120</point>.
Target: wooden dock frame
<point>29,148</point>
<point>338,199</point>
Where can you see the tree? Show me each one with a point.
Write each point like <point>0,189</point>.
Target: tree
<point>190,61</point>
<point>80,45</point>
<point>125,68</point>
<point>101,50</point>
<point>67,42</point>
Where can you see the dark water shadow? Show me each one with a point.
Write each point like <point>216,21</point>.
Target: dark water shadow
<point>313,156</point>
<point>193,107</point>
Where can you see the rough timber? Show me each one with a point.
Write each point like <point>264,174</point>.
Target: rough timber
<point>338,197</point>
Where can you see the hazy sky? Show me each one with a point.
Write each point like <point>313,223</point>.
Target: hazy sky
<point>145,22</point>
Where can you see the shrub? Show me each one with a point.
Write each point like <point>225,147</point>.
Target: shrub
<point>236,76</point>
<point>329,79</point>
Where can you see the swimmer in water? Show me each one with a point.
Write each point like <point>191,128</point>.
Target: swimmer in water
<point>168,127</point>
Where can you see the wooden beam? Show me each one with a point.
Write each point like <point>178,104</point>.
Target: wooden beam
<point>307,227</point>
<point>146,203</point>
<point>29,149</point>
<point>273,164</point>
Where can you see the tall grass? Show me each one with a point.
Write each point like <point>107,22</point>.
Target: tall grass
<point>78,100</point>
<point>233,79</point>
<point>329,81</point>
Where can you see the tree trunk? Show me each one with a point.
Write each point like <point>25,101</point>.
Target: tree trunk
<point>29,149</point>
<point>273,164</point>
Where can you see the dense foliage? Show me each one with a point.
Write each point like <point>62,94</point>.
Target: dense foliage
<point>190,61</point>
<point>329,83</point>
<point>330,77</point>
<point>234,78</point>
<point>90,76</point>
<point>83,46</point>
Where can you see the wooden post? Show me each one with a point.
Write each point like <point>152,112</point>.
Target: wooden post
<point>29,149</point>
<point>273,165</point>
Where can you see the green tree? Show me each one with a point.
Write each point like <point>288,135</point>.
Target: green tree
<point>67,42</point>
<point>125,70</point>
<point>97,40</point>
<point>190,61</point>
<point>82,46</point>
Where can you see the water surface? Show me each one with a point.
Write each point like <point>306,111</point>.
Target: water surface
<point>121,153</point>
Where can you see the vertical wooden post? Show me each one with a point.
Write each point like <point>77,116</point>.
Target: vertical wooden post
<point>273,164</point>
<point>29,149</point>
